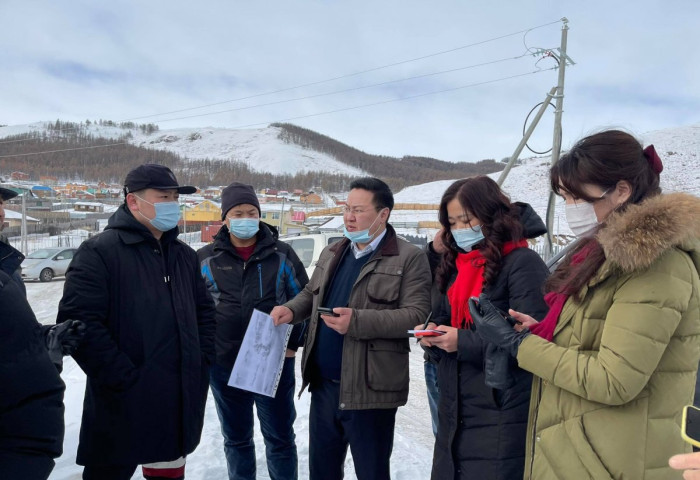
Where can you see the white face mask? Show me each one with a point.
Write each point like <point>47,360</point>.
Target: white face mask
<point>581,217</point>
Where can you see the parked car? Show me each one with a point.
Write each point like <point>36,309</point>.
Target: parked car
<point>308,247</point>
<point>47,263</point>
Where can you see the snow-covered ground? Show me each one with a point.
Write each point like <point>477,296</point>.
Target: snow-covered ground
<point>413,439</point>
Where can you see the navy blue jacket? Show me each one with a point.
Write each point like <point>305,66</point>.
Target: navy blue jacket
<point>271,276</point>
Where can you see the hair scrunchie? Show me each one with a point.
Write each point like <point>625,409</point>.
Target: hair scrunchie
<point>653,159</point>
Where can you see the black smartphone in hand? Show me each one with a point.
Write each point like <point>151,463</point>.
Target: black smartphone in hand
<point>690,426</point>
<point>327,311</point>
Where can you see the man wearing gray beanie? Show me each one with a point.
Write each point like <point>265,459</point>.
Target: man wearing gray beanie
<point>246,268</point>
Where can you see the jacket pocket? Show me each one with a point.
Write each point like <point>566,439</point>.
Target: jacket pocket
<point>387,365</point>
<point>384,285</point>
<point>570,453</point>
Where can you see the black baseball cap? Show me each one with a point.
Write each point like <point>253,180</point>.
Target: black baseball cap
<point>151,175</point>
<point>7,194</point>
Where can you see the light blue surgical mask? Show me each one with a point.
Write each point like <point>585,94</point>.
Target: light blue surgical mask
<point>167,215</point>
<point>243,228</point>
<point>361,236</point>
<point>466,238</point>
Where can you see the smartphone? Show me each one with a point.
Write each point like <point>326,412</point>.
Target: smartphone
<point>425,333</point>
<point>326,311</point>
<point>690,426</point>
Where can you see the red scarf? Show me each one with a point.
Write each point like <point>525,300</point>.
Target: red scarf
<point>556,301</point>
<point>470,281</point>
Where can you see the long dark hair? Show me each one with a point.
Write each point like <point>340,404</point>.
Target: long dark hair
<point>500,223</point>
<point>601,159</point>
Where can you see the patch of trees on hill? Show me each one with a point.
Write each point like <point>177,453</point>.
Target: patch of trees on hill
<point>397,172</point>
<point>71,151</point>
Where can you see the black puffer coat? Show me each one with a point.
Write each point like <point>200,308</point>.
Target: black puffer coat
<point>31,392</point>
<point>271,276</point>
<point>148,343</point>
<point>481,430</point>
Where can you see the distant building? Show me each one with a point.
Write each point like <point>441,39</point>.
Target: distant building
<point>203,213</point>
<point>91,207</point>
<point>19,176</point>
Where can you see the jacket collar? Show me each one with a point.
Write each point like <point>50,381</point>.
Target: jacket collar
<point>388,247</point>
<point>635,238</point>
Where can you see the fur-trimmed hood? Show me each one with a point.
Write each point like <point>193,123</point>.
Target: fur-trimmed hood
<point>634,239</point>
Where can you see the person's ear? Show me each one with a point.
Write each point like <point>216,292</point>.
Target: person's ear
<point>623,191</point>
<point>131,202</point>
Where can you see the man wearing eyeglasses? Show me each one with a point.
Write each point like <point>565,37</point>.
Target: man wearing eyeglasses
<point>356,359</point>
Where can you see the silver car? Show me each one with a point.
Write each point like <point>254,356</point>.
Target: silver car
<point>47,263</point>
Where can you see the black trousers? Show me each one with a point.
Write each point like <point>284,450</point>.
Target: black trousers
<point>369,433</point>
<point>108,472</point>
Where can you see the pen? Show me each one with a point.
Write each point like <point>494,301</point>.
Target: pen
<point>425,325</point>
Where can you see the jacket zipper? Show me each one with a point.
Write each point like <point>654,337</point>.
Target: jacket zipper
<point>534,427</point>
<point>159,251</point>
<point>260,279</point>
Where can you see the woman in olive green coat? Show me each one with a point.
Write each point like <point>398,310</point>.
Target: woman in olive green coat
<point>615,360</point>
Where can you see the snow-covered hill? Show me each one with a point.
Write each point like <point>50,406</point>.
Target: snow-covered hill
<point>260,148</point>
<point>679,149</point>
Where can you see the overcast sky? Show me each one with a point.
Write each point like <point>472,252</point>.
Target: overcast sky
<point>123,60</point>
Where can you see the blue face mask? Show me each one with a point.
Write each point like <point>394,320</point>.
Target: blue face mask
<point>361,236</point>
<point>243,228</point>
<point>466,238</point>
<point>167,215</point>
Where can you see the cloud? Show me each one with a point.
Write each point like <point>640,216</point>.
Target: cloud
<point>125,59</point>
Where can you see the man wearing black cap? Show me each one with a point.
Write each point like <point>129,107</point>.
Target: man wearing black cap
<point>247,268</point>
<point>150,333</point>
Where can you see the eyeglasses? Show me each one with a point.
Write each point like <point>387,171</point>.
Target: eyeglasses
<point>355,210</point>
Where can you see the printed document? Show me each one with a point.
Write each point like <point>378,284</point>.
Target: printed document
<point>259,363</point>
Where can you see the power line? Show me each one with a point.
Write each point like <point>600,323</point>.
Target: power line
<point>363,87</point>
<point>64,150</point>
<point>396,99</point>
<point>402,62</point>
<point>356,107</point>
<point>336,92</point>
<point>348,75</point>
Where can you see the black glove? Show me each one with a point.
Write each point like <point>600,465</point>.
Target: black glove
<point>493,327</point>
<point>63,338</point>
<point>497,368</point>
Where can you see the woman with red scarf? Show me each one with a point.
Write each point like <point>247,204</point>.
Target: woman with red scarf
<point>484,396</point>
<point>616,357</point>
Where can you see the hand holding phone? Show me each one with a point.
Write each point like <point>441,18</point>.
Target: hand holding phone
<point>425,333</point>
<point>326,311</point>
<point>690,425</point>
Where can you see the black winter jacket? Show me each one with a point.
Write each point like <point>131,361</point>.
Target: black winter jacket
<point>272,275</point>
<point>11,262</point>
<point>31,392</point>
<point>147,346</point>
<point>481,430</point>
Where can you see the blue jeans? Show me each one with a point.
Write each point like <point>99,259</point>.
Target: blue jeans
<point>276,416</point>
<point>430,370</point>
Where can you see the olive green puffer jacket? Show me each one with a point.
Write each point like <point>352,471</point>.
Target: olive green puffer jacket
<point>610,387</point>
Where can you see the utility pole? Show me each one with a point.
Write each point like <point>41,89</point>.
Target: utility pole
<point>556,141</point>
<point>282,215</point>
<point>24,222</point>
<point>526,137</point>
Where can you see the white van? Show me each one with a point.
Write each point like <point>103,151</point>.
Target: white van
<point>308,247</point>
